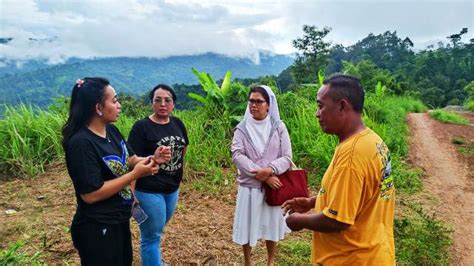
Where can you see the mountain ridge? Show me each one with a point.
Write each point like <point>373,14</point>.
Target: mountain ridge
<point>132,75</point>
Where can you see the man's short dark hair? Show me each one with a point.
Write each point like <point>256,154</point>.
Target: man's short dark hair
<point>346,87</point>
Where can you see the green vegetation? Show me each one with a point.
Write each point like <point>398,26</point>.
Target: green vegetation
<point>420,239</point>
<point>469,103</point>
<point>31,138</point>
<point>449,117</point>
<point>294,252</point>
<point>437,76</point>
<point>464,146</point>
<point>468,149</point>
<point>458,141</point>
<point>14,255</point>
<point>469,106</point>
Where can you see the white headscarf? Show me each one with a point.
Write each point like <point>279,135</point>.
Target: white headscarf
<point>272,110</point>
<point>259,131</point>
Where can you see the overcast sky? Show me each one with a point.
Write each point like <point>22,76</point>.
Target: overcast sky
<point>89,28</point>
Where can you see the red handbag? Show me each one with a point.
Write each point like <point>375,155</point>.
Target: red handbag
<point>294,184</point>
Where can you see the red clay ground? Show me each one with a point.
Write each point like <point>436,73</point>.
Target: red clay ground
<point>448,177</point>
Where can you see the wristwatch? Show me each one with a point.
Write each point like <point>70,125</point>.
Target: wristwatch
<point>273,170</point>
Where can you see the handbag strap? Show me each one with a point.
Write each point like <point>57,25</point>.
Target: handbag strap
<point>292,164</point>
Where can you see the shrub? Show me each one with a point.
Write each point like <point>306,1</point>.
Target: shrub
<point>469,105</point>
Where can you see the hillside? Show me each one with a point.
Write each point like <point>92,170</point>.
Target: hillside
<point>37,82</point>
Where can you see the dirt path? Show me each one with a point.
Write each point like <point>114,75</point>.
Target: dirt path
<point>448,177</point>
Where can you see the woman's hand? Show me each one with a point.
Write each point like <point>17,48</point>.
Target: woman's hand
<point>145,167</point>
<point>162,154</point>
<point>300,205</point>
<point>263,173</point>
<point>135,201</point>
<point>274,182</point>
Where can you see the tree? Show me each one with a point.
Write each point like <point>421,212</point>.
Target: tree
<point>456,38</point>
<point>386,50</point>
<point>313,54</point>
<point>370,75</point>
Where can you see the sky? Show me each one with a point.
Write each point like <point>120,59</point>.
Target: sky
<point>58,29</point>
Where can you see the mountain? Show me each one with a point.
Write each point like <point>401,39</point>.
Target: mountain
<point>37,82</point>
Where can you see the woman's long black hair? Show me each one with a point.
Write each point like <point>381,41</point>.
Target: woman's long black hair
<point>86,94</point>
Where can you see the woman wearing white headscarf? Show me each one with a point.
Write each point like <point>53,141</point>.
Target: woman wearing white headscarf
<point>261,149</point>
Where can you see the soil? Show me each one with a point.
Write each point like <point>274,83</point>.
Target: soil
<point>448,177</point>
<point>199,233</point>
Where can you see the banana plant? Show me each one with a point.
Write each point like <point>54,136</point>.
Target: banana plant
<point>216,96</point>
<point>380,89</point>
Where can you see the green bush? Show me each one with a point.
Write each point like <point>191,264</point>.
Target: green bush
<point>469,105</point>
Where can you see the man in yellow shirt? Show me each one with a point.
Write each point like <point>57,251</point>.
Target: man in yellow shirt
<point>352,222</point>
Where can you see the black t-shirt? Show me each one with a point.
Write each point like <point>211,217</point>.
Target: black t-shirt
<point>91,160</point>
<point>145,137</point>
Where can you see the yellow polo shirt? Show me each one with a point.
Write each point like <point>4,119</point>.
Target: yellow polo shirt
<point>357,189</point>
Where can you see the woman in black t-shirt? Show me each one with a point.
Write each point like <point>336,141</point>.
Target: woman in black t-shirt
<point>157,194</point>
<point>98,160</point>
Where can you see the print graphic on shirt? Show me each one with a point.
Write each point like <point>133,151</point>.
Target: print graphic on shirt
<point>119,167</point>
<point>322,191</point>
<point>386,184</point>
<point>177,145</point>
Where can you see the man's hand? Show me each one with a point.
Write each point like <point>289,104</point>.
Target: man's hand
<point>300,205</point>
<point>295,221</point>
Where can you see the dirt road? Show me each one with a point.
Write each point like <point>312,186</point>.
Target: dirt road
<point>448,176</point>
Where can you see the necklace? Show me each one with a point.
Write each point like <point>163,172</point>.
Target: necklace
<point>155,119</point>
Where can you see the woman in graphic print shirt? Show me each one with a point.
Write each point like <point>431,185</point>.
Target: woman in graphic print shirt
<point>157,194</point>
<point>98,160</point>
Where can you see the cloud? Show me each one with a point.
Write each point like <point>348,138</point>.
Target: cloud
<point>103,28</point>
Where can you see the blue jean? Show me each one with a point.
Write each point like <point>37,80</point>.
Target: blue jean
<point>159,208</point>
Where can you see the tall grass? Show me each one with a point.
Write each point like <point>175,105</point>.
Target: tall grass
<point>449,117</point>
<point>30,138</point>
<point>312,149</point>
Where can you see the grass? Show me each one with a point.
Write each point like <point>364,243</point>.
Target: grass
<point>294,252</point>
<point>420,239</point>
<point>449,117</point>
<point>458,141</point>
<point>14,255</point>
<point>468,150</point>
<point>31,138</point>
<point>464,146</point>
